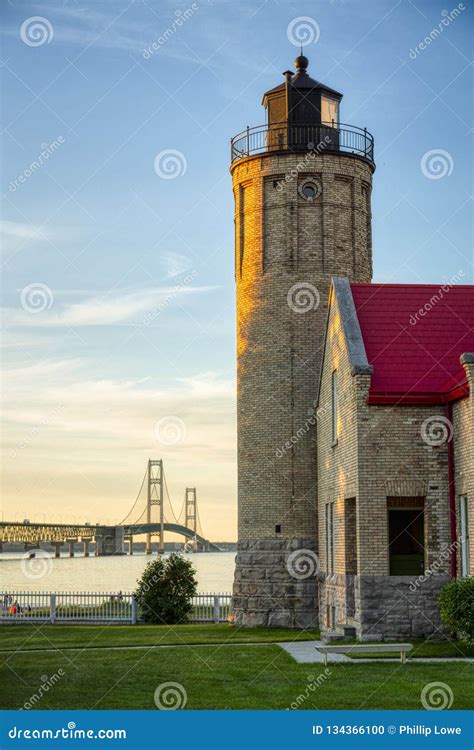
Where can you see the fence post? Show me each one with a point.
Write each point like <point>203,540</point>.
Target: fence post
<point>134,610</point>
<point>217,608</point>
<point>52,607</point>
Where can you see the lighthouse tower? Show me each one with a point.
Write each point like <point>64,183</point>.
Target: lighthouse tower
<point>302,187</point>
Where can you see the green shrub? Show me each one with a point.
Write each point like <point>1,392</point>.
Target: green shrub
<point>166,589</point>
<point>457,607</point>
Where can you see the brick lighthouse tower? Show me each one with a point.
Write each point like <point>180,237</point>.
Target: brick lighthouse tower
<point>302,187</point>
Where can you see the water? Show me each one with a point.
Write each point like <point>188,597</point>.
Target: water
<point>215,572</point>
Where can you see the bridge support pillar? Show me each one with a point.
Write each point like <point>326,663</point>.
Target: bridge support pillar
<point>130,545</point>
<point>71,547</point>
<point>86,547</point>
<point>148,545</point>
<point>57,549</point>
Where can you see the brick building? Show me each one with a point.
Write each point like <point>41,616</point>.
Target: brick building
<point>399,425</point>
<point>302,187</point>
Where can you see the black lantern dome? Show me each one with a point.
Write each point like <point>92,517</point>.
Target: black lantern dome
<point>301,100</point>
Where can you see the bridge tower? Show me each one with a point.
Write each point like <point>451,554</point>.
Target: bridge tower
<point>155,497</point>
<point>302,186</point>
<point>190,508</point>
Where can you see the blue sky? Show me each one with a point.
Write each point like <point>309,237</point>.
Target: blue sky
<point>135,271</point>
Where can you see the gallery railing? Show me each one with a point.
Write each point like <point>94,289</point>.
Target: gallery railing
<point>308,138</point>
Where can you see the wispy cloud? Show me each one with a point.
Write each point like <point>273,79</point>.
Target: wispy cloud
<point>102,310</point>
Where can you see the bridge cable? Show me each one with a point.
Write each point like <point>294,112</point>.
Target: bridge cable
<point>136,500</point>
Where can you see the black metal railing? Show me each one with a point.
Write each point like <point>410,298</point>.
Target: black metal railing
<point>313,138</point>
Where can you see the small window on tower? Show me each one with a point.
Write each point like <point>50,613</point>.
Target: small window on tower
<point>310,190</point>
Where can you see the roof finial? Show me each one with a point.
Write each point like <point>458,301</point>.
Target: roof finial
<point>301,63</point>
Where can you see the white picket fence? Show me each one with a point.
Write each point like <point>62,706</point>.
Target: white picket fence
<point>93,607</point>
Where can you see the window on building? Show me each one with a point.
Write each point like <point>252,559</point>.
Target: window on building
<point>329,111</point>
<point>330,538</point>
<point>350,535</point>
<point>464,535</point>
<point>334,407</point>
<point>406,539</point>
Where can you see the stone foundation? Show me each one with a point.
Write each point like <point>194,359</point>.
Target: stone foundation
<point>275,583</point>
<point>384,607</point>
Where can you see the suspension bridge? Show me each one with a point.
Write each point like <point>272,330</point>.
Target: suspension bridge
<point>152,514</point>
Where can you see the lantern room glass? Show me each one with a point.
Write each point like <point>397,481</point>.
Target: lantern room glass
<point>329,111</point>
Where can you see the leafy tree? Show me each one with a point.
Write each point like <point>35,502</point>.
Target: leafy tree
<point>165,590</point>
<point>457,607</point>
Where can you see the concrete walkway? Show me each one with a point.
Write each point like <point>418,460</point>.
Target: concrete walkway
<point>305,652</point>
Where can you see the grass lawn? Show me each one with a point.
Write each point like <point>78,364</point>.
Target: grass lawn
<point>214,677</point>
<point>94,636</point>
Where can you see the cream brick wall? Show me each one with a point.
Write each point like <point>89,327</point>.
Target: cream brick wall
<point>463,439</point>
<point>282,240</point>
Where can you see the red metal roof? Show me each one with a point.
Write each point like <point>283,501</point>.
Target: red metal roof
<point>414,335</point>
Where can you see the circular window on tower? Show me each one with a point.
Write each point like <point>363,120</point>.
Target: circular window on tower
<point>310,190</point>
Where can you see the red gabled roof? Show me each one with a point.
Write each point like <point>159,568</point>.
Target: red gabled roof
<point>414,335</point>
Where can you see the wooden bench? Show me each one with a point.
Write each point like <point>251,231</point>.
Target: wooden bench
<point>372,648</point>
